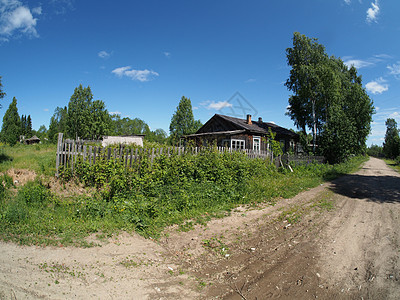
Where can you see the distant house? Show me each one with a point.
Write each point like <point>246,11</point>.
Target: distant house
<point>123,139</point>
<point>32,140</point>
<point>235,133</point>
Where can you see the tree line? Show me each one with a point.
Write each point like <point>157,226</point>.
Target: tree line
<point>328,99</point>
<point>88,119</point>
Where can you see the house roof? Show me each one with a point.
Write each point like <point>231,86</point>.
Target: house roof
<point>34,138</point>
<point>255,126</point>
<point>228,132</point>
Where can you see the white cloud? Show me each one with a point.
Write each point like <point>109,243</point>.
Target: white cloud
<point>167,54</point>
<point>115,113</point>
<point>217,105</point>
<point>61,7</point>
<point>395,70</point>
<point>347,2</point>
<point>37,10</point>
<point>378,86</point>
<point>45,109</point>
<point>16,18</point>
<point>362,63</point>
<point>250,80</point>
<point>358,63</point>
<point>383,56</point>
<point>139,75</point>
<point>104,54</point>
<point>373,11</point>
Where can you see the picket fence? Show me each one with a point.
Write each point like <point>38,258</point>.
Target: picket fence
<point>69,151</point>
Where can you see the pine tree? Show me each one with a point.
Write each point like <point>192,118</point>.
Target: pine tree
<point>11,128</point>
<point>23,125</point>
<point>28,130</point>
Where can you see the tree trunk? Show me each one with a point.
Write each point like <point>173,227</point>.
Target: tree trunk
<point>314,126</point>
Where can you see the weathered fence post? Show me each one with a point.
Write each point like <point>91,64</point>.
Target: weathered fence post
<point>59,153</point>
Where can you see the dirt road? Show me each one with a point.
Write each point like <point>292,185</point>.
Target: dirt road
<point>337,241</point>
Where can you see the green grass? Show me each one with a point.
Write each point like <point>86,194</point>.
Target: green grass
<point>393,164</point>
<point>40,158</point>
<point>184,190</point>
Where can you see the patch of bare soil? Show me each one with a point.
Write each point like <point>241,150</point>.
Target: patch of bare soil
<point>294,249</point>
<point>21,176</point>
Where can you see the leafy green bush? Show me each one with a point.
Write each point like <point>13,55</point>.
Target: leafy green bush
<point>34,193</point>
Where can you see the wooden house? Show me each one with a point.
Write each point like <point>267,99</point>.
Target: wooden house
<point>235,133</point>
<point>32,140</point>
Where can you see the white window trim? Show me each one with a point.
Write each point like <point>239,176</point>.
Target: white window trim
<point>241,142</point>
<point>258,139</point>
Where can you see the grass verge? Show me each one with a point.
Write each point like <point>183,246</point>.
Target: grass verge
<point>393,164</point>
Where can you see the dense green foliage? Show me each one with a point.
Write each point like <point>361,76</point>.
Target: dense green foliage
<point>86,119</point>
<point>26,126</point>
<point>375,151</point>
<point>11,128</point>
<point>391,146</point>
<point>57,123</point>
<point>182,121</point>
<point>149,196</point>
<point>328,99</point>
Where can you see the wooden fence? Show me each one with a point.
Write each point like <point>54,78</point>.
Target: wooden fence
<point>69,151</point>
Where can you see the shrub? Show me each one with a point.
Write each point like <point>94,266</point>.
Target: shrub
<point>34,193</point>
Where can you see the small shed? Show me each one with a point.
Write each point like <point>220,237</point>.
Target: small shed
<point>32,140</point>
<point>123,139</point>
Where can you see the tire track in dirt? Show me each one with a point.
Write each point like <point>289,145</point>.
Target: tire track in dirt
<point>351,252</point>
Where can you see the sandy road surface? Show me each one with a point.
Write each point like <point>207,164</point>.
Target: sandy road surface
<point>295,249</point>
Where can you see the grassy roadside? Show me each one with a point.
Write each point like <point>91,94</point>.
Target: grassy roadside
<point>393,164</point>
<point>147,200</point>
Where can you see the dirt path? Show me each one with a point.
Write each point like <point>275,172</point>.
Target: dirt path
<point>339,240</point>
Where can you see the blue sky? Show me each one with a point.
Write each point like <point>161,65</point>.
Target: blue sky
<point>227,56</point>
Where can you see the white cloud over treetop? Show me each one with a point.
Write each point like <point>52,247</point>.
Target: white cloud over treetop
<point>378,86</point>
<point>357,63</point>
<point>137,75</point>
<point>15,18</point>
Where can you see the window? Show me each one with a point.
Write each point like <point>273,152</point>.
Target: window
<point>292,145</point>
<point>282,142</point>
<point>226,143</point>
<point>237,144</point>
<point>256,143</point>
